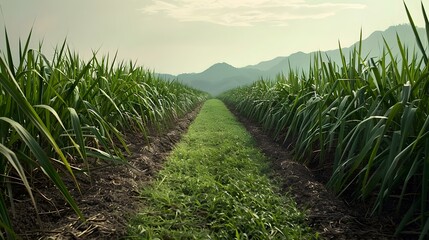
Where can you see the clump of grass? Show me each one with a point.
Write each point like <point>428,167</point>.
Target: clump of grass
<point>213,187</point>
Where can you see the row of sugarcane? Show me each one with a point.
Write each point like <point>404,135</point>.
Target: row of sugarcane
<point>62,112</point>
<point>367,119</point>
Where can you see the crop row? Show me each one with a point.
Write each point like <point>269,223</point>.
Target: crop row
<point>367,119</point>
<point>57,116</point>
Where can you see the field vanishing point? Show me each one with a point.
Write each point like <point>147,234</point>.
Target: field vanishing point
<point>214,186</point>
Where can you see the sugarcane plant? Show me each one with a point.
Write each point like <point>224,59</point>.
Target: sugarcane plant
<point>365,118</point>
<point>58,116</point>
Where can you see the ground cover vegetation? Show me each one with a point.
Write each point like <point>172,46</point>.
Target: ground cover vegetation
<point>60,117</point>
<point>214,186</point>
<point>364,120</point>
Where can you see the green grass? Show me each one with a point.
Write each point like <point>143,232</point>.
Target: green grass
<point>214,187</point>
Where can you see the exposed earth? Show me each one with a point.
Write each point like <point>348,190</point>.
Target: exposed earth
<point>332,217</point>
<point>111,195</point>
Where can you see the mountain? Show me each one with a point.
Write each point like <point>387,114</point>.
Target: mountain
<point>372,46</point>
<point>266,65</point>
<point>222,76</point>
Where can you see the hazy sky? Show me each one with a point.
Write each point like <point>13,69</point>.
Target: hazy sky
<point>177,36</point>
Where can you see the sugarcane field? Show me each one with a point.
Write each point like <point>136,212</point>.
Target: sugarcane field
<point>321,144</point>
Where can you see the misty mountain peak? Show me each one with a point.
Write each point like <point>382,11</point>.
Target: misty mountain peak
<point>220,67</point>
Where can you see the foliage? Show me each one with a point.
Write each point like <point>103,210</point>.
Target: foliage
<point>58,114</point>
<point>367,118</point>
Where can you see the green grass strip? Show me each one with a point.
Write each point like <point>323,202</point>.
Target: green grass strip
<point>214,187</point>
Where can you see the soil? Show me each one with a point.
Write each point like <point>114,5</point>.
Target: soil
<point>332,217</point>
<point>110,197</point>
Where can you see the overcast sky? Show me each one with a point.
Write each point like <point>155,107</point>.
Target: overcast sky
<point>178,36</point>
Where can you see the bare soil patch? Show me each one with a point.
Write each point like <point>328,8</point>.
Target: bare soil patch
<point>332,217</point>
<point>109,195</point>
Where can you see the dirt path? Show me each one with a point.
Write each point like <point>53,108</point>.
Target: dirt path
<point>331,217</point>
<point>108,198</point>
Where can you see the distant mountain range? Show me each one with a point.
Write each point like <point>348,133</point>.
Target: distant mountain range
<point>222,76</point>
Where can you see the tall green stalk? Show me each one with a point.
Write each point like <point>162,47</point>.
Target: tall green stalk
<point>367,119</point>
<point>71,111</point>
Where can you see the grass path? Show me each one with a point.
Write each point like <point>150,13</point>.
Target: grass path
<point>213,186</point>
